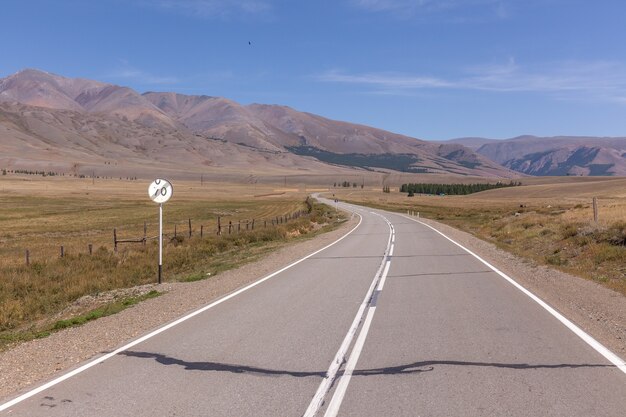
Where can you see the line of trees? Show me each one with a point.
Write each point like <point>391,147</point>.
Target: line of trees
<point>453,189</point>
<point>29,172</point>
<point>346,184</point>
<point>56,174</point>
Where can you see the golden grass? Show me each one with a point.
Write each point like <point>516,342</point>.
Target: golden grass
<point>43,214</point>
<point>39,220</point>
<point>550,221</point>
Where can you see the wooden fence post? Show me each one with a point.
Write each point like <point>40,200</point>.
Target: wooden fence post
<point>201,231</point>
<point>219,225</point>
<point>238,226</point>
<point>115,240</point>
<point>62,251</point>
<point>189,228</point>
<point>247,224</point>
<point>265,224</point>
<point>174,231</point>
<point>27,257</point>
<point>595,209</point>
<point>230,225</point>
<point>252,224</point>
<point>90,249</point>
<point>145,233</point>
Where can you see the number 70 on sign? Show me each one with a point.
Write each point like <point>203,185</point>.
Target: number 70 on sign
<point>160,191</point>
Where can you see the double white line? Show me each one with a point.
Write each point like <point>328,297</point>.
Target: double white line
<point>368,303</point>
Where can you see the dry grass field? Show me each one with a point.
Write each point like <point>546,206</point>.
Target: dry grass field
<point>549,220</point>
<point>41,214</point>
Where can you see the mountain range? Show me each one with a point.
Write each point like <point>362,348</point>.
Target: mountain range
<point>560,155</point>
<point>52,122</point>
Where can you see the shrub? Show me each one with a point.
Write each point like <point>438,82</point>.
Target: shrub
<point>569,230</point>
<point>555,259</point>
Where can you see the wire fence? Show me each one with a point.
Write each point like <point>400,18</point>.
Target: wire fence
<point>178,231</point>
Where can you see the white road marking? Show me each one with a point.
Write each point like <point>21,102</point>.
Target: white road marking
<point>344,381</point>
<point>601,349</point>
<point>318,399</point>
<point>381,284</point>
<point>164,328</point>
<point>340,392</point>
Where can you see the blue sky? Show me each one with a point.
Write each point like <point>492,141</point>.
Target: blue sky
<point>432,69</point>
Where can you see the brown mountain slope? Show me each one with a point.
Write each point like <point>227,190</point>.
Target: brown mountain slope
<point>37,138</point>
<point>92,122</point>
<point>279,128</point>
<point>560,155</point>
<point>42,89</point>
<point>470,142</point>
<point>220,118</point>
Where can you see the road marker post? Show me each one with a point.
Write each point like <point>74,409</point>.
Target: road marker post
<point>160,191</point>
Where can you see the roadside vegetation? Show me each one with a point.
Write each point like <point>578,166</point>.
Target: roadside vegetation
<point>46,327</point>
<point>557,231</point>
<point>34,297</point>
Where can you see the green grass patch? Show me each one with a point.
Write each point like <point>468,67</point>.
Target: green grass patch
<point>13,337</point>
<point>107,310</point>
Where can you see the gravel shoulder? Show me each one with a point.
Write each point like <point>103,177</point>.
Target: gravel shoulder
<point>599,311</point>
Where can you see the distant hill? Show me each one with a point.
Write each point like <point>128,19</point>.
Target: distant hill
<point>62,120</point>
<point>472,143</point>
<point>560,155</point>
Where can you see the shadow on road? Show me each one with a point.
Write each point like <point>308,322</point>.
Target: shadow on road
<point>412,368</point>
<point>219,367</point>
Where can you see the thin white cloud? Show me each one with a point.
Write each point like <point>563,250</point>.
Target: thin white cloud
<point>598,78</point>
<point>410,8</point>
<point>388,5</point>
<point>130,74</point>
<point>221,9</point>
<point>386,80</point>
<point>567,80</point>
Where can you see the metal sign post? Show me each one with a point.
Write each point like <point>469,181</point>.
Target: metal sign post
<point>160,191</point>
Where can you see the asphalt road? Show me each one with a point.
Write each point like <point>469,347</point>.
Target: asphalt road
<point>427,330</point>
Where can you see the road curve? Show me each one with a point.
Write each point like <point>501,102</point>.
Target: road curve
<point>424,327</point>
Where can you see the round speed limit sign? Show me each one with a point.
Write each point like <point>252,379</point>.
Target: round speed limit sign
<point>160,191</point>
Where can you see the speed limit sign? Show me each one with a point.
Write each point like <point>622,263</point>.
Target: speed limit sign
<point>160,191</point>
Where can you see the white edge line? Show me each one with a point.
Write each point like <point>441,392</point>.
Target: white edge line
<point>164,328</point>
<point>601,349</point>
<point>338,360</point>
